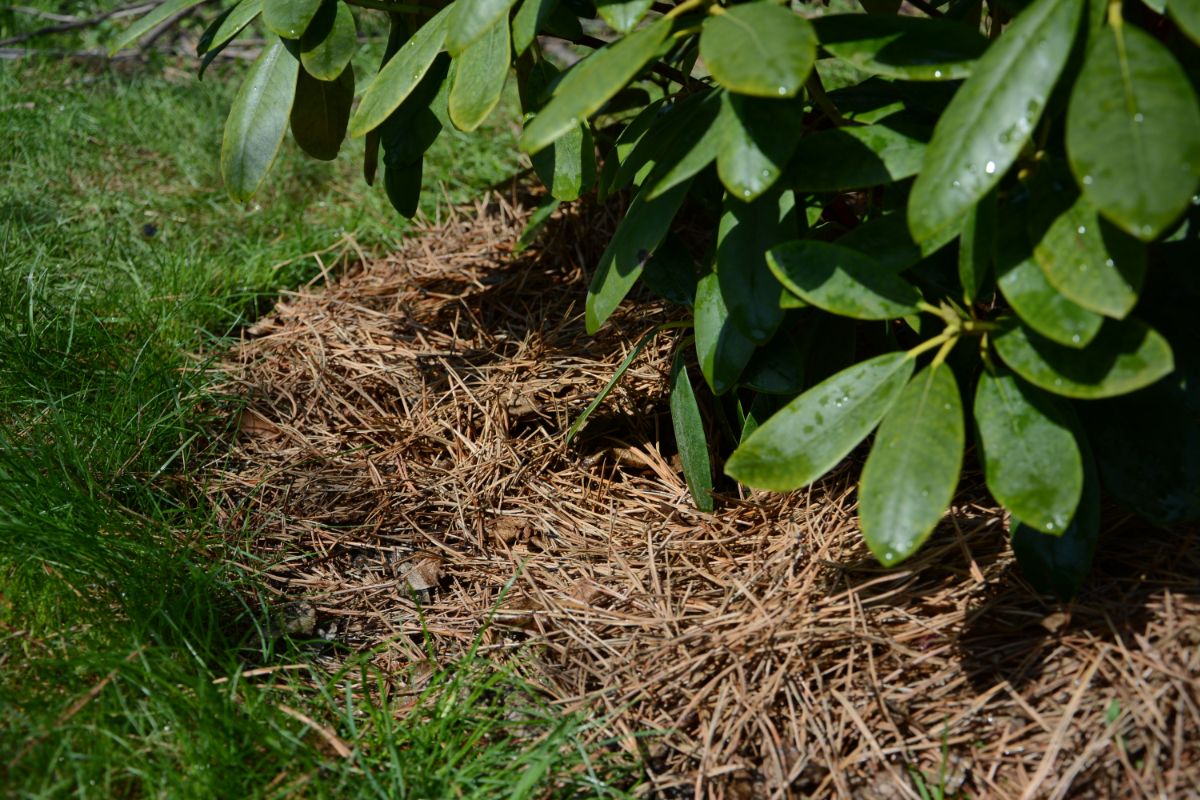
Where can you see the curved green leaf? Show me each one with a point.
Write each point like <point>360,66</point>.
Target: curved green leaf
<point>1030,459</point>
<point>992,116</point>
<point>640,232</point>
<point>842,281</point>
<point>402,182</point>
<point>1059,564</point>
<point>888,240</point>
<point>745,234</point>
<point>1133,132</point>
<point>689,435</point>
<point>471,19</point>
<point>400,75</point>
<point>1124,357</point>
<point>722,350</point>
<point>414,126</point>
<point>1092,263</point>
<point>977,247</point>
<point>258,120</point>
<point>777,368</point>
<point>528,21</point>
<point>912,471</point>
<point>760,136</point>
<point>627,142</point>
<point>150,21</point>
<point>759,49</point>
<point>623,15</point>
<point>568,167</point>
<point>692,147</point>
<point>593,82</point>
<point>289,18</point>
<point>908,48</point>
<point>320,113</point>
<point>329,42</point>
<point>231,24</point>
<point>1186,14</point>
<point>1037,303</point>
<point>479,76</point>
<point>840,159</point>
<point>811,434</point>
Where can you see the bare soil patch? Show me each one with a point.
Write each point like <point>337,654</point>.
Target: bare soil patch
<point>402,456</point>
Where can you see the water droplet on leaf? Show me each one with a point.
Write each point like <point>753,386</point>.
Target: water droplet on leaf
<point>990,167</point>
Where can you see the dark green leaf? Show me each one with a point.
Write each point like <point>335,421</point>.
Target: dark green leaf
<point>568,167</point>
<point>842,281</point>
<point>1037,303</point>
<point>414,126</point>
<point>908,48</point>
<point>992,116</point>
<point>537,221</point>
<point>888,240</point>
<point>745,234</point>
<point>722,350</point>
<point>681,121</point>
<point>1059,564</point>
<point>1124,356</point>
<point>258,120</point>
<point>689,435</point>
<point>528,22</point>
<point>214,27</point>
<point>471,19</point>
<point>759,49</point>
<point>644,226</point>
<point>840,159</point>
<point>150,21</point>
<point>623,15</point>
<point>1186,14</point>
<point>671,273</point>
<point>778,366</point>
<point>812,433</point>
<point>330,41</point>
<point>479,75</point>
<point>1133,132</point>
<point>912,471</point>
<point>231,25</point>
<point>400,75</point>
<point>976,248</point>
<point>593,82</point>
<point>692,148</point>
<point>1029,455</point>
<point>760,136</point>
<point>320,113</point>
<point>626,143</point>
<point>289,18</point>
<point>402,182</point>
<point>760,411</point>
<point>1092,263</point>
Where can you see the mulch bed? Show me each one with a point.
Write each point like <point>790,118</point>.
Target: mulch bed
<point>401,456</point>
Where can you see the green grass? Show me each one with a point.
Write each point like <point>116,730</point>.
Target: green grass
<point>126,625</point>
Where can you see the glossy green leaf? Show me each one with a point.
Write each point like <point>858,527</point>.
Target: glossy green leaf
<point>777,367</point>
<point>640,232</point>
<point>1133,132</point>
<point>912,471</point>
<point>745,233</point>
<point>1059,565</point>
<point>1030,459</point>
<point>150,21</point>
<point>1037,303</point>
<point>722,350</point>
<point>888,240</point>
<point>329,42</point>
<point>1092,263</point>
<point>908,48</point>
<point>841,159</point>
<point>289,18</point>
<point>623,15</point>
<point>627,141</point>
<point>689,435</point>
<point>258,120</point>
<point>842,281</point>
<point>400,75</point>
<point>1124,356</point>
<point>761,409</point>
<point>470,20</point>
<point>759,49</point>
<point>760,137</point>
<point>1186,14</point>
<point>402,182</point>
<point>568,167</point>
<point>479,76</point>
<point>528,22</point>
<point>976,248</point>
<point>210,32</point>
<point>811,434</point>
<point>231,25</point>
<point>671,272</point>
<point>415,125</point>
<point>992,116</point>
<point>681,121</point>
<point>592,82</point>
<point>320,113</point>
<point>691,148</point>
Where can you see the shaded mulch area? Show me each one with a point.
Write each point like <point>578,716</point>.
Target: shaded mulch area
<point>402,458</point>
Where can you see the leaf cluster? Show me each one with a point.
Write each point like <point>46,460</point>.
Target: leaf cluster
<point>977,221</point>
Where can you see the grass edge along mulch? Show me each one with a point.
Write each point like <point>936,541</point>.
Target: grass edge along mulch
<point>401,451</point>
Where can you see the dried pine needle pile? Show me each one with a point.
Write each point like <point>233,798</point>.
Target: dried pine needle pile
<point>402,444</point>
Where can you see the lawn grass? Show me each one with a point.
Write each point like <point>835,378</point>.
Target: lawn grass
<point>128,622</point>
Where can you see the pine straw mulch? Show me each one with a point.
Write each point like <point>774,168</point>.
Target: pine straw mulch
<point>403,443</point>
